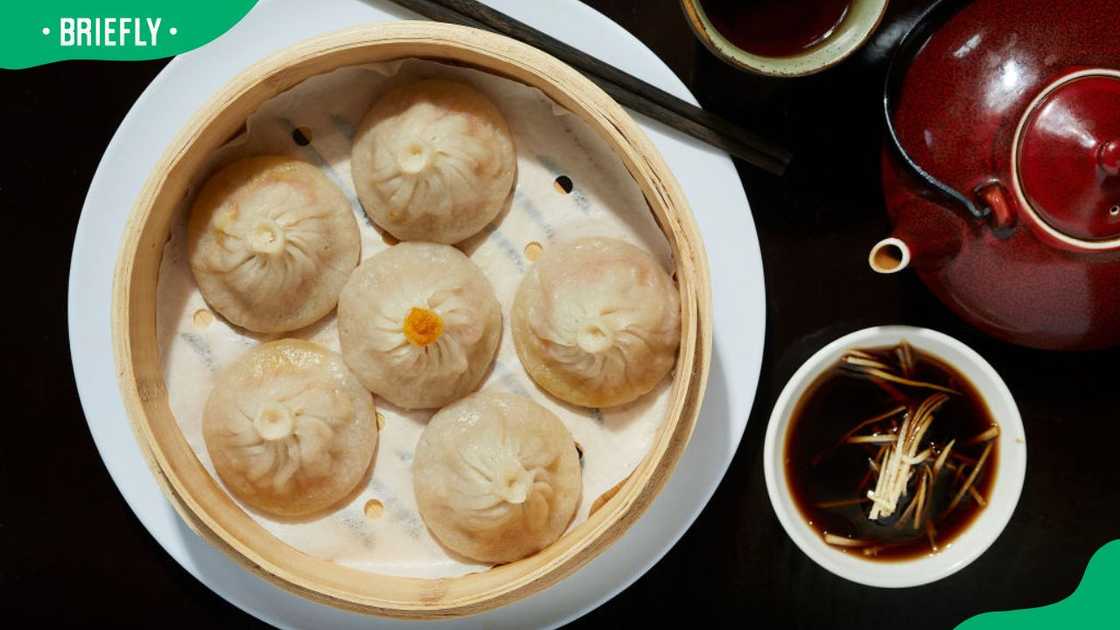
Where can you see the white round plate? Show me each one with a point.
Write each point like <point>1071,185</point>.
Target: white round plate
<point>714,192</point>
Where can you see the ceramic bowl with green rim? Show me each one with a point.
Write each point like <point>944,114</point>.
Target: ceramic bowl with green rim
<point>857,21</point>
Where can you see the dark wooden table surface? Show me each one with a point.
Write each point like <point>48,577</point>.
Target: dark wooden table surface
<point>73,553</point>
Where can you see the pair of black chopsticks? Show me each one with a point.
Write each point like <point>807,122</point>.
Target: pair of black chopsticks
<point>626,89</point>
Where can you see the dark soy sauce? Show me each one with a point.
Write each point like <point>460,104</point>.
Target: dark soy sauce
<point>776,28</point>
<point>838,401</point>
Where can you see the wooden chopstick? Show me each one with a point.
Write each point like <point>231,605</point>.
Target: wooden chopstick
<point>628,90</point>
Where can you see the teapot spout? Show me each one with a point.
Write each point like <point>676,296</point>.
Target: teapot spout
<point>890,255</point>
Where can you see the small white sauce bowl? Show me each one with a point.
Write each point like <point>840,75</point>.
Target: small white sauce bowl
<point>977,537</point>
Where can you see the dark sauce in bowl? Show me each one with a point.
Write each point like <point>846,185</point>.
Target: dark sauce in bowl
<point>776,28</point>
<point>827,478</point>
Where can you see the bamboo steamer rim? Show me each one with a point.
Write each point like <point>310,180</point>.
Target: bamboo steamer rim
<point>209,509</point>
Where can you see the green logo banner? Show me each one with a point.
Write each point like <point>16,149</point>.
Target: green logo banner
<point>1093,605</point>
<point>41,31</point>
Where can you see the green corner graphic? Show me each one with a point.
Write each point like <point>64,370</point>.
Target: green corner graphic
<point>1093,605</point>
<point>43,31</point>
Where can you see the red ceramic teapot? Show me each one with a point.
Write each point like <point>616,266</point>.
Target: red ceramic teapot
<point>1002,168</point>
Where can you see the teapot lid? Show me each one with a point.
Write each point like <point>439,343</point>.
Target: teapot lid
<point>1067,158</point>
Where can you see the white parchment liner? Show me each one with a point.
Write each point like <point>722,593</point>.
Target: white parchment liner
<point>550,142</point>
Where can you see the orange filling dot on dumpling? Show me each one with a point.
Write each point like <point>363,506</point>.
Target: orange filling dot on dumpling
<point>422,327</point>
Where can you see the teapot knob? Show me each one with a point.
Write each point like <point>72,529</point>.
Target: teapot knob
<point>1109,157</point>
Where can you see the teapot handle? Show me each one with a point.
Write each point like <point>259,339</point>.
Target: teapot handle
<point>993,195</point>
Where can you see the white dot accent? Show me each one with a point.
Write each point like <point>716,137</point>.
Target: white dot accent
<point>173,31</point>
<point>46,30</point>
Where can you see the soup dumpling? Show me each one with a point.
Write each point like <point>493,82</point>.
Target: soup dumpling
<point>596,322</point>
<point>433,161</point>
<point>271,241</point>
<point>419,324</point>
<point>496,477</point>
<point>290,430</point>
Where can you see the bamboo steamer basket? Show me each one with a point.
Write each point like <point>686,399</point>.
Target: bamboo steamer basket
<point>201,500</point>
